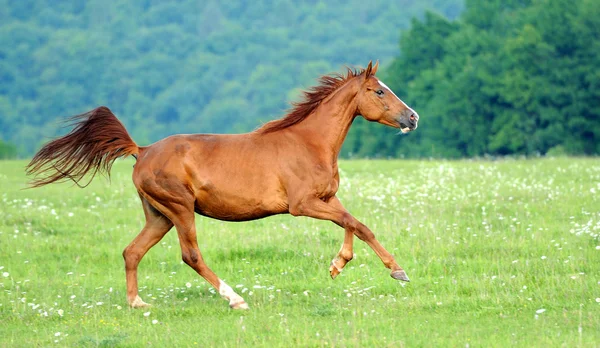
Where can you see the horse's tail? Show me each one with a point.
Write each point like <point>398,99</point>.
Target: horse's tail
<point>97,140</point>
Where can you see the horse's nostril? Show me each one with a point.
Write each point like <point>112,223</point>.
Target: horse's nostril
<point>412,117</point>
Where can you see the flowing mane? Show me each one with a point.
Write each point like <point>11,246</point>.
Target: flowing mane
<point>312,99</point>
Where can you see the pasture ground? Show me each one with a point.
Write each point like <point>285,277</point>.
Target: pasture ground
<point>500,253</point>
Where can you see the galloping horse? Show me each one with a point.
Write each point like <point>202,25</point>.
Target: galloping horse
<point>288,165</point>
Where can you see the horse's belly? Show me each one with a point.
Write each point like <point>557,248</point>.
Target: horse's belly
<point>231,207</point>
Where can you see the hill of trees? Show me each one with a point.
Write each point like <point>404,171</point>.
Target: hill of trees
<point>507,77</point>
<point>494,77</point>
<point>181,66</point>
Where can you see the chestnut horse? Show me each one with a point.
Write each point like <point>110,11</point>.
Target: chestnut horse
<point>288,165</point>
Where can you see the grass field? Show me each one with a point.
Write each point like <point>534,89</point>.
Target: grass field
<point>499,253</point>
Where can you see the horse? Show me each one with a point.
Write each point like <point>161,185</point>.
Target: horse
<point>286,166</point>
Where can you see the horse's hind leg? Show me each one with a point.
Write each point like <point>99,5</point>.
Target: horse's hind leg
<point>191,255</point>
<point>157,225</point>
<point>173,199</point>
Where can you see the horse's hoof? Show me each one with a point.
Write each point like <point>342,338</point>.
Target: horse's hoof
<point>239,305</point>
<point>139,303</point>
<point>400,275</point>
<point>333,270</point>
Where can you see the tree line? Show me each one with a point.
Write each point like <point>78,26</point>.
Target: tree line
<point>181,66</point>
<point>509,77</point>
<point>488,77</point>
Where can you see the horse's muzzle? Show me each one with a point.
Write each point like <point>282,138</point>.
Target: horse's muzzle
<point>408,120</point>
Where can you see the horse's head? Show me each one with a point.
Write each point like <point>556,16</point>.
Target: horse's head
<point>377,103</point>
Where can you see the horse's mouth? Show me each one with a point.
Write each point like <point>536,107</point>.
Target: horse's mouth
<point>404,128</point>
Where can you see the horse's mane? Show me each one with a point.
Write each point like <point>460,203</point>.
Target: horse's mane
<point>312,99</point>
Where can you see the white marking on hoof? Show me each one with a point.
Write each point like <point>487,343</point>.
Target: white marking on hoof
<point>239,305</point>
<point>138,303</point>
<point>334,265</point>
<point>235,300</point>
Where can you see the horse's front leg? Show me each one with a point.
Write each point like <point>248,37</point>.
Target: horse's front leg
<point>316,208</point>
<point>343,256</point>
<point>346,252</point>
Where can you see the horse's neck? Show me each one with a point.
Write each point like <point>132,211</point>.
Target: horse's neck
<point>329,124</point>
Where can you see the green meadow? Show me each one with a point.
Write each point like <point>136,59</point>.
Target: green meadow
<point>500,253</point>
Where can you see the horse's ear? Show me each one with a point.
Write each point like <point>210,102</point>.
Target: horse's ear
<point>374,69</point>
<point>369,69</point>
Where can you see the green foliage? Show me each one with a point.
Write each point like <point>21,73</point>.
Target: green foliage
<point>178,66</point>
<point>508,77</point>
<point>7,151</point>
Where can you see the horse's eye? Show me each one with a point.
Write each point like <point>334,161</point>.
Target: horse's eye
<point>379,92</point>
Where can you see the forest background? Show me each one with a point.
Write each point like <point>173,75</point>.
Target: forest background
<point>513,77</point>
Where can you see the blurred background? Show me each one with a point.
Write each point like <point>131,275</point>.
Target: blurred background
<point>488,77</point>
